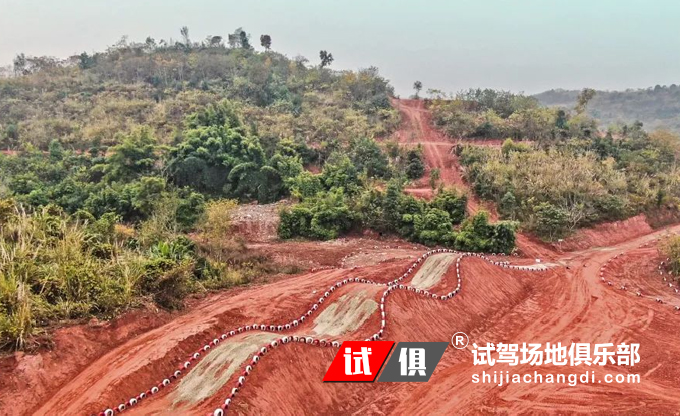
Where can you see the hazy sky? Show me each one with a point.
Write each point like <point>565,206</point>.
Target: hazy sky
<point>521,45</point>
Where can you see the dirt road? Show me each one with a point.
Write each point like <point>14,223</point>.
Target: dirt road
<point>437,151</point>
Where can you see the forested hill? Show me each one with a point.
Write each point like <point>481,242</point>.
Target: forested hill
<point>657,107</point>
<point>90,98</point>
<point>120,170</point>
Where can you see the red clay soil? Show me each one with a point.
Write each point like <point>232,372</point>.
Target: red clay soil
<point>606,234</point>
<point>638,272</point>
<point>335,253</point>
<point>437,151</point>
<point>29,378</point>
<point>496,305</point>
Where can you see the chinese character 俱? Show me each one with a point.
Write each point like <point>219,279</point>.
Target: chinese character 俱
<point>360,361</point>
<point>579,353</point>
<point>412,360</point>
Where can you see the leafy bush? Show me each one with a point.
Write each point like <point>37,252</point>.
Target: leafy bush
<point>216,222</point>
<point>453,203</point>
<point>368,157</point>
<point>327,215</point>
<point>580,182</point>
<point>415,168</point>
<point>323,217</point>
<point>553,192</point>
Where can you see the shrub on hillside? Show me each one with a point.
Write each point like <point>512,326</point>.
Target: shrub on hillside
<point>323,217</point>
<point>670,248</point>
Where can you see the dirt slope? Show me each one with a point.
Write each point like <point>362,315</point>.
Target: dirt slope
<point>437,151</point>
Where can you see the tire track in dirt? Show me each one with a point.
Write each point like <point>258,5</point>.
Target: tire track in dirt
<point>72,398</point>
<point>428,263</point>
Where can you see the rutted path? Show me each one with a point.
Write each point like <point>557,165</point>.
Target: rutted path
<point>437,151</point>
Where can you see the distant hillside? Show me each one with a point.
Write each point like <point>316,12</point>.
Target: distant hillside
<point>657,107</point>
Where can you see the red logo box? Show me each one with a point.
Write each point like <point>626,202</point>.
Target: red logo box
<point>358,361</point>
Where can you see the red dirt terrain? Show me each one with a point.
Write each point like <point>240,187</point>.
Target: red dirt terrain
<point>575,298</point>
<point>437,151</point>
<point>495,305</point>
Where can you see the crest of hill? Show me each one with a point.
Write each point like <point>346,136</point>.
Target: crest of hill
<point>88,99</point>
<point>656,107</point>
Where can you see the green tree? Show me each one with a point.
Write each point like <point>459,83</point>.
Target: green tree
<point>244,40</point>
<point>415,168</point>
<point>239,39</point>
<point>56,150</point>
<point>10,137</point>
<point>214,41</point>
<point>433,227</point>
<point>434,177</point>
<point>326,58</point>
<point>550,222</point>
<point>452,202</point>
<point>135,156</point>
<point>219,158</point>
<point>323,217</point>
<point>508,205</point>
<point>417,86</point>
<point>583,99</point>
<point>367,156</point>
<point>305,185</point>
<point>266,41</point>
<point>86,61</point>
<point>184,31</point>
<point>340,172</point>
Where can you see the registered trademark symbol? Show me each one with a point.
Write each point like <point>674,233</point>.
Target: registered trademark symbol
<point>460,340</point>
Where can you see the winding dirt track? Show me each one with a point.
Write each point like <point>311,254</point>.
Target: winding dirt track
<point>566,303</point>
<point>496,305</point>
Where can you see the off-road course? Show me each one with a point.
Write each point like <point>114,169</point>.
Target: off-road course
<point>569,297</point>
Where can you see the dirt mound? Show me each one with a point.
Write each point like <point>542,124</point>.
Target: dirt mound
<point>342,252</point>
<point>29,378</point>
<point>432,271</point>
<point>347,314</point>
<point>257,223</point>
<point>606,234</point>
